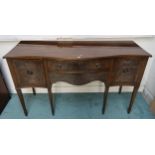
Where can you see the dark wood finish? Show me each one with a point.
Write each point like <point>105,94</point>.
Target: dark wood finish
<point>105,98</point>
<point>42,63</point>
<point>78,50</point>
<point>78,78</point>
<point>120,89</point>
<point>80,66</point>
<point>34,91</point>
<point>51,98</point>
<point>126,69</point>
<point>4,93</point>
<point>133,98</point>
<point>19,92</point>
<point>30,73</point>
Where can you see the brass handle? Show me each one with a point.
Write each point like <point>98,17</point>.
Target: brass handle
<point>29,72</point>
<point>126,70</point>
<point>59,66</point>
<point>98,65</point>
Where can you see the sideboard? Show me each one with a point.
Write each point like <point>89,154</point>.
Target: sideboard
<point>42,63</point>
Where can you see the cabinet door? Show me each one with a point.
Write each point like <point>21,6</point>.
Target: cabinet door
<point>125,70</point>
<point>29,73</point>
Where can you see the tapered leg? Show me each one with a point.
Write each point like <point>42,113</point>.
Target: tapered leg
<point>34,91</point>
<point>133,96</point>
<point>105,99</point>
<point>51,100</point>
<point>21,98</point>
<point>120,89</point>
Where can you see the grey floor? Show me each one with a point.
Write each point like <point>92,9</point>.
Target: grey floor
<point>78,106</point>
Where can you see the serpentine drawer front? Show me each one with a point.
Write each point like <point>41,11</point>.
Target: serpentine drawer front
<point>79,65</point>
<point>42,63</point>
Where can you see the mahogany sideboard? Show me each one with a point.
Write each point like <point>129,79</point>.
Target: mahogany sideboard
<point>42,63</point>
<point>4,93</point>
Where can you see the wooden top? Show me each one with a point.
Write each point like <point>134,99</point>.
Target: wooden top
<point>75,49</point>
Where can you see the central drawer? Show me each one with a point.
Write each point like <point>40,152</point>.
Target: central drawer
<point>79,65</point>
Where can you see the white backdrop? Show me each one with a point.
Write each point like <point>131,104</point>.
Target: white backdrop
<point>61,17</point>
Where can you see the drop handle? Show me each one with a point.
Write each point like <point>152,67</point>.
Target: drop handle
<point>98,65</point>
<point>59,66</point>
<point>126,70</point>
<point>29,72</point>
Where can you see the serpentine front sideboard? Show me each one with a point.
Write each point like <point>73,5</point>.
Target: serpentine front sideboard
<point>42,63</point>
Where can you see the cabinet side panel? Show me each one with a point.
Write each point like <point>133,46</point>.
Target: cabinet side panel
<point>12,71</point>
<point>141,70</point>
